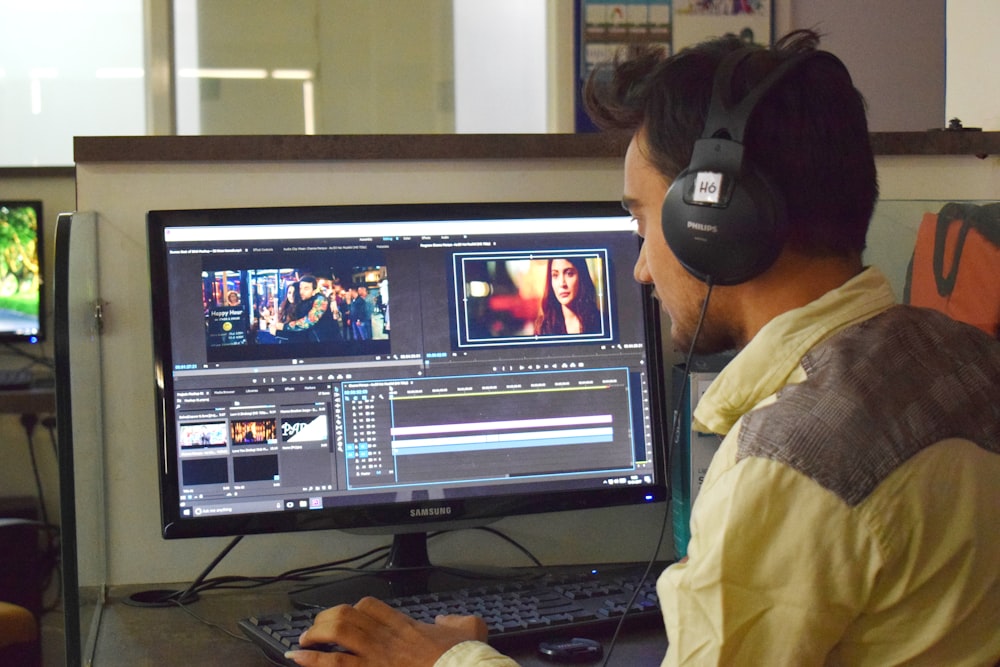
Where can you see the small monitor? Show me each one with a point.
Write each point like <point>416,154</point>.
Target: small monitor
<point>400,368</point>
<point>22,308</point>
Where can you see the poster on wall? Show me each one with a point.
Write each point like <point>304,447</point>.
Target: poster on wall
<point>606,26</point>
<point>698,20</point>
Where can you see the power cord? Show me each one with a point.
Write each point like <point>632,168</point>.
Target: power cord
<point>50,425</point>
<point>49,560</point>
<point>35,358</point>
<point>29,420</point>
<point>54,556</point>
<point>373,556</point>
<point>165,598</point>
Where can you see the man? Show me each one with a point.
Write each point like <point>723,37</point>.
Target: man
<point>851,514</point>
<point>313,317</point>
<point>361,314</point>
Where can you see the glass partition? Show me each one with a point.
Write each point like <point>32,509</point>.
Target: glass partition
<point>68,69</point>
<point>373,67</point>
<point>80,441</point>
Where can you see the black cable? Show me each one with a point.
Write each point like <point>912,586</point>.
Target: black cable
<point>335,565</point>
<point>35,358</point>
<point>50,559</point>
<point>510,540</point>
<point>163,598</point>
<point>50,425</point>
<point>225,631</point>
<point>28,421</point>
<point>376,554</point>
<point>672,439</point>
<point>297,574</point>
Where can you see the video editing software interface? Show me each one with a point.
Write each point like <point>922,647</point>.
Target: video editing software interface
<point>310,364</point>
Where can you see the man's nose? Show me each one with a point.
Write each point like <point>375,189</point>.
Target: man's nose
<point>641,270</point>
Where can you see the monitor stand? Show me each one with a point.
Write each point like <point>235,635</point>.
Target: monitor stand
<point>408,571</point>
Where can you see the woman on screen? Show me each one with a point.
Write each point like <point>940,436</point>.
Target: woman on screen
<point>287,311</point>
<point>569,304</point>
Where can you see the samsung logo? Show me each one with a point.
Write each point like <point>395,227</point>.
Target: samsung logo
<point>702,227</point>
<point>430,511</point>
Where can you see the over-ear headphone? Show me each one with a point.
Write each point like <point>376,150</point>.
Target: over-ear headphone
<point>721,217</point>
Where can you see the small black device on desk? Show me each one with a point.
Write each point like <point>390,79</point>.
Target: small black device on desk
<point>574,649</point>
<point>535,604</point>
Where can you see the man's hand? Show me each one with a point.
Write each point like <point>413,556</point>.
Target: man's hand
<point>376,634</point>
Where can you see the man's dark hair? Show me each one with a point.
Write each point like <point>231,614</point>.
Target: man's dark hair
<point>808,135</point>
<point>309,278</point>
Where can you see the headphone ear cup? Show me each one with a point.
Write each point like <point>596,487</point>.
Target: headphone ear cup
<point>725,244</point>
<point>721,217</point>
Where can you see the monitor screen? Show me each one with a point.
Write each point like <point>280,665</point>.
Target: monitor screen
<point>21,293</point>
<point>398,368</point>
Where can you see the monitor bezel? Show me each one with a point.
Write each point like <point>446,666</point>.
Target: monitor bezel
<point>399,517</point>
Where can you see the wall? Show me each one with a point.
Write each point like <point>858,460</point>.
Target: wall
<point>894,49</point>
<point>972,88</point>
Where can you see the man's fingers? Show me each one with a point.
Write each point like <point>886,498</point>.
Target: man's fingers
<point>377,634</point>
<point>381,612</point>
<point>316,659</point>
<point>341,625</point>
<point>368,621</point>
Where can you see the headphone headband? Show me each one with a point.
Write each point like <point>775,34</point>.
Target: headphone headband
<point>733,118</point>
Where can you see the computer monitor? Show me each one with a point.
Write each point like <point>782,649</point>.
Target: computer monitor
<point>400,368</point>
<point>22,308</point>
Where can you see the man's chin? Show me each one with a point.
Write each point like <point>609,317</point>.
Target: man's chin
<point>706,343</point>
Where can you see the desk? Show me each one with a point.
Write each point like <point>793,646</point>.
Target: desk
<point>136,637</point>
<point>41,400</point>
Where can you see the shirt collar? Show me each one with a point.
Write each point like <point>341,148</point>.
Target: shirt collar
<point>770,358</point>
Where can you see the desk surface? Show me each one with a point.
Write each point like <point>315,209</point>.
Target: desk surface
<point>136,636</point>
<point>40,400</point>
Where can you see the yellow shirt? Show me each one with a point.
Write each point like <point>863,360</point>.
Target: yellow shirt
<point>793,561</point>
<point>789,568</point>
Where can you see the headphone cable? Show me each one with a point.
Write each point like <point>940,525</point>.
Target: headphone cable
<point>672,438</point>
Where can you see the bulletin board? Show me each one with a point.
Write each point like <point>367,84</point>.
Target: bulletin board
<point>605,26</point>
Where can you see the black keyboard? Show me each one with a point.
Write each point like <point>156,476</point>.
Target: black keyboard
<point>535,603</point>
<point>15,378</point>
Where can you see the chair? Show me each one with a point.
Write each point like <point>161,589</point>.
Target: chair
<point>19,636</point>
<point>954,265</point>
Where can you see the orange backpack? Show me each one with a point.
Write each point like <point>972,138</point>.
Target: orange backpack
<point>955,266</point>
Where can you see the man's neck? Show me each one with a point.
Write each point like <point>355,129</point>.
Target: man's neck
<point>794,281</point>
